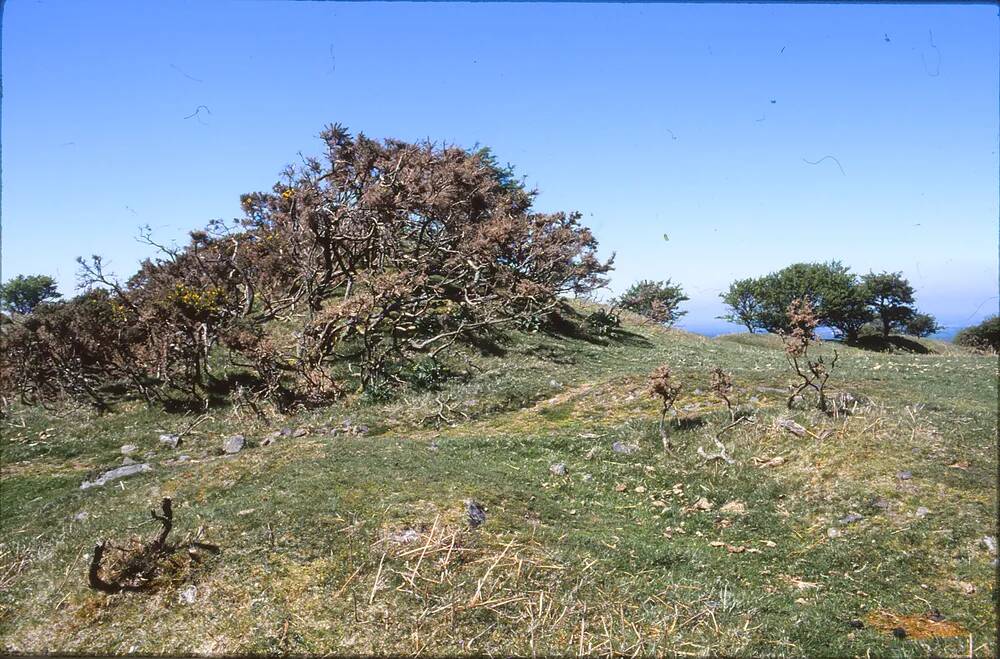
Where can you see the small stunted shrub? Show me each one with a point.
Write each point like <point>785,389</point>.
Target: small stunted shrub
<point>721,384</point>
<point>604,322</point>
<point>984,336</point>
<point>664,388</point>
<point>814,373</point>
<point>656,300</point>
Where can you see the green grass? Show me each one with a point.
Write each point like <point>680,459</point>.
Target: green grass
<point>612,558</point>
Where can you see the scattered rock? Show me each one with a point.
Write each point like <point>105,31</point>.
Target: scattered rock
<point>129,448</point>
<point>698,392</point>
<point>904,475</point>
<point>81,516</point>
<point>302,432</point>
<point>640,489</point>
<point>558,469</point>
<point>433,446</point>
<point>619,447</point>
<point>127,460</point>
<point>880,503</point>
<point>990,542</point>
<point>234,444</point>
<point>171,440</point>
<point>851,518</point>
<point>183,458</point>
<point>922,512</point>
<point>475,512</point>
<point>833,533</point>
<point>404,536</point>
<point>620,487</point>
<point>587,478</point>
<point>589,455</point>
<point>115,474</point>
<point>285,432</point>
<point>734,508</point>
<point>791,427</point>
<point>967,588</point>
<point>188,595</point>
<point>703,504</point>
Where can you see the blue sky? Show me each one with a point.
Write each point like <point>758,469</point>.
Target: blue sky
<point>692,120</point>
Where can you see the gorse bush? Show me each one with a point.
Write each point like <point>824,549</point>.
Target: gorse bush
<point>656,300</point>
<point>374,256</point>
<point>984,336</point>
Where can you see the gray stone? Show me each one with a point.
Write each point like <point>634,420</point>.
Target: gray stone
<point>115,474</point>
<point>851,518</point>
<point>904,475</point>
<point>791,427</point>
<point>300,432</point>
<point>879,502</point>
<point>81,516</point>
<point>404,536</point>
<point>833,533</point>
<point>475,512</point>
<point>234,444</point>
<point>285,432</point>
<point>990,542</point>
<point>188,595</point>
<point>173,441</point>
<point>558,469</point>
<point>619,447</point>
<point>587,478</point>
<point>127,460</point>
<point>183,458</point>
<point>129,448</point>
<point>922,512</point>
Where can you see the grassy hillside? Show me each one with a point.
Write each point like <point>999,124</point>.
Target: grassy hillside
<point>358,542</point>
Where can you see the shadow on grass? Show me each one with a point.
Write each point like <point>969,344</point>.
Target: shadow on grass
<point>891,344</point>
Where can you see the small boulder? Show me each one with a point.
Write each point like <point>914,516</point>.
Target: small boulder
<point>81,516</point>
<point>851,518</point>
<point>733,508</point>
<point>300,432</point>
<point>475,513</point>
<point>833,533</point>
<point>922,512</point>
<point>128,449</point>
<point>619,447</point>
<point>904,475</point>
<point>188,595</point>
<point>791,426</point>
<point>114,474</point>
<point>558,469</point>
<point>127,460</point>
<point>171,440</point>
<point>234,444</point>
<point>990,542</point>
<point>879,502</point>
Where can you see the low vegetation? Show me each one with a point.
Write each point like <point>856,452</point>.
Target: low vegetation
<point>348,532</point>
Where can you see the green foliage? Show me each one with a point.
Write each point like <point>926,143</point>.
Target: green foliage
<point>921,325</point>
<point>744,298</point>
<point>832,290</point>
<point>425,373</point>
<point>984,336</point>
<point>604,322</point>
<point>890,297</point>
<point>23,293</point>
<point>656,300</point>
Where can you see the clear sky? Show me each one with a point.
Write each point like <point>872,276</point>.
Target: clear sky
<point>695,121</point>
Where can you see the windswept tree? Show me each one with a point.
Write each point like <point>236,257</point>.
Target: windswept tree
<point>656,300</point>
<point>745,304</point>
<point>890,297</point>
<point>922,324</point>
<point>23,293</point>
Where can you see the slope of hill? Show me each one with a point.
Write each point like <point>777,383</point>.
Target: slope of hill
<point>349,533</point>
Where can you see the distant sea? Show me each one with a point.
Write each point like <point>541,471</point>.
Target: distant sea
<point>715,329</point>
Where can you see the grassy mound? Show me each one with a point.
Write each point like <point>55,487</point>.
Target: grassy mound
<point>351,536</point>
